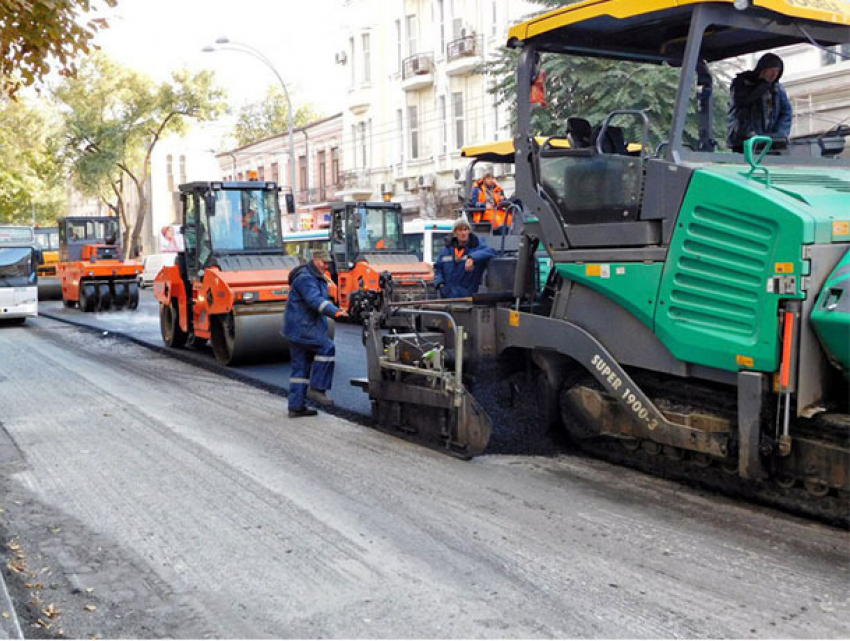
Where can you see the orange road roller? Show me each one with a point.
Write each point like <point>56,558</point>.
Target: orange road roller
<point>229,284</point>
<point>90,269</point>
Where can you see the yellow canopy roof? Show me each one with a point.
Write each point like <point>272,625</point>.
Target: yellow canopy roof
<point>503,150</point>
<point>648,26</point>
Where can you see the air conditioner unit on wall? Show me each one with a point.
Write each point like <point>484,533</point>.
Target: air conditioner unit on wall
<point>411,184</point>
<point>426,182</point>
<point>387,188</point>
<point>341,58</point>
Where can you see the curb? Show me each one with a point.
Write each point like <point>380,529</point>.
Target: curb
<point>9,628</point>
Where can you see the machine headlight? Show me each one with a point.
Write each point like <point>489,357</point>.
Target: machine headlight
<point>249,297</point>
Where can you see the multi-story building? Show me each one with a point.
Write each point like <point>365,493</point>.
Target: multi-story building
<point>418,91</point>
<point>818,84</point>
<point>318,168</point>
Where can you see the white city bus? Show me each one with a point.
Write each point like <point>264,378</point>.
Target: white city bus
<point>426,238</point>
<point>302,243</point>
<point>18,273</point>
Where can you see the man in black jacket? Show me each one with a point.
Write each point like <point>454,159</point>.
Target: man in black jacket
<point>759,104</point>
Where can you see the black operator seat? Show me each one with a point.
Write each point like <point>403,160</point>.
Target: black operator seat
<point>614,141</point>
<point>579,133</point>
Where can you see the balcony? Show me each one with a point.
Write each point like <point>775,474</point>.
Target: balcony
<point>359,99</point>
<point>417,72</point>
<point>464,55</point>
<point>355,185</point>
<point>318,195</point>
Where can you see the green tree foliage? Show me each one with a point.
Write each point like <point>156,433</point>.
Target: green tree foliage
<point>113,119</point>
<point>592,88</point>
<point>36,33</point>
<point>31,176</point>
<point>269,117</point>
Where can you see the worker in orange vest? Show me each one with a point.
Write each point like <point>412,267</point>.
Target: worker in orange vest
<point>486,198</point>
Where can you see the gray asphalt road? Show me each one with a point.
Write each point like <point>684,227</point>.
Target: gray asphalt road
<point>180,503</point>
<point>143,324</point>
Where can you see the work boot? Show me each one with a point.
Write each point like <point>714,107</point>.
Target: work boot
<point>320,397</point>
<point>304,411</point>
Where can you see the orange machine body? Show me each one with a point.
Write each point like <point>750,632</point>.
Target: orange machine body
<point>74,274</point>
<point>412,278</point>
<point>218,292</point>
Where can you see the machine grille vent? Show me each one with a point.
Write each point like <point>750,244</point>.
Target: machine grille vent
<point>781,179</point>
<point>719,280</point>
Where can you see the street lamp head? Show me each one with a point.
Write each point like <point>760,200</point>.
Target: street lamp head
<point>208,49</point>
<point>222,41</point>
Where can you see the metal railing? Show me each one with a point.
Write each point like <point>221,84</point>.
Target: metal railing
<point>318,194</point>
<point>417,65</point>
<point>465,47</point>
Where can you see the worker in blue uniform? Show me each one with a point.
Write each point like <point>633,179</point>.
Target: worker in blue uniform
<point>461,265</point>
<point>306,328</point>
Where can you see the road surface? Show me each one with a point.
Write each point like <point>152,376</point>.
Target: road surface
<point>142,324</point>
<point>143,496</point>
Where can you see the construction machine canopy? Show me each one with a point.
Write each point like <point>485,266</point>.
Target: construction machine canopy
<point>656,31</point>
<point>503,150</point>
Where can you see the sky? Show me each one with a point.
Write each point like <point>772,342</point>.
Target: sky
<point>299,37</point>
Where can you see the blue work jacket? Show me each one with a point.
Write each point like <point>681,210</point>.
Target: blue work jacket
<point>307,307</point>
<point>450,268</point>
<point>749,114</point>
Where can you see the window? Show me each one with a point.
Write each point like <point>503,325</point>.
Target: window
<point>457,28</point>
<point>834,55</point>
<point>441,9</point>
<point>243,220</point>
<point>335,165</point>
<point>399,118</point>
<point>412,35</point>
<point>354,144</point>
<point>495,19</point>
<point>457,104</point>
<point>302,173</point>
<point>413,125</point>
<point>378,229</point>
<point>367,59</point>
<point>169,171</point>
<point>444,126</point>
<point>261,172</point>
<point>363,156</point>
<point>351,58</point>
<point>323,169</point>
<point>275,172</point>
<point>182,169</point>
<point>398,41</point>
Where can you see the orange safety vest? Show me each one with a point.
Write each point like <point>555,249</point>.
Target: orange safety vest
<point>497,218</point>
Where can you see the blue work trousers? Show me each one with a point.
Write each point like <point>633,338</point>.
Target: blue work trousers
<point>311,366</point>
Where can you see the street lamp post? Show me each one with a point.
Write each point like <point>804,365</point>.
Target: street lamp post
<point>247,49</point>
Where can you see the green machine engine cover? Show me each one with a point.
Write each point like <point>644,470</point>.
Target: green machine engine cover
<point>735,238</point>
<point>831,316</point>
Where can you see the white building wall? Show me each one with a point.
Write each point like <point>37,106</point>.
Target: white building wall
<point>411,127</point>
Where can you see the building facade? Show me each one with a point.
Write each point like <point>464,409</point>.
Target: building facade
<point>418,91</point>
<point>318,168</point>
